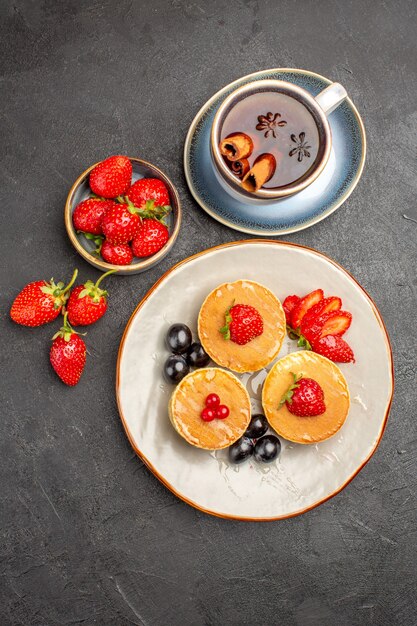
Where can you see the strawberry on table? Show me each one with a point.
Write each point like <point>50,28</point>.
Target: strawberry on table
<point>150,238</point>
<point>87,303</point>
<point>88,215</point>
<point>121,223</point>
<point>304,305</point>
<point>304,397</point>
<point>288,305</point>
<point>149,189</point>
<point>243,323</point>
<point>40,302</point>
<point>116,254</point>
<point>68,354</point>
<point>112,177</point>
<point>334,348</point>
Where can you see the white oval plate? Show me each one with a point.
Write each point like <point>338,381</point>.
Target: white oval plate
<point>303,476</point>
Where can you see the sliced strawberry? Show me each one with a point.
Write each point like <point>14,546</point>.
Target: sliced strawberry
<point>334,348</point>
<point>305,305</point>
<point>308,327</point>
<point>334,323</point>
<point>288,305</point>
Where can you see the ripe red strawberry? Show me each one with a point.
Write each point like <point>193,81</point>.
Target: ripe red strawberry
<point>334,323</point>
<point>323,306</point>
<point>88,215</point>
<point>120,223</point>
<point>243,323</point>
<point>150,238</point>
<point>304,397</point>
<point>40,302</point>
<point>111,177</point>
<point>116,254</point>
<point>87,303</point>
<point>304,305</point>
<point>334,348</point>
<point>288,305</point>
<point>68,354</point>
<point>149,189</point>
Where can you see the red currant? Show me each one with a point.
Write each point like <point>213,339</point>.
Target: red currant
<point>208,414</point>
<point>222,412</point>
<point>212,400</point>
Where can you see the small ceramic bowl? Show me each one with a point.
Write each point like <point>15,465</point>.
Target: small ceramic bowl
<point>81,191</point>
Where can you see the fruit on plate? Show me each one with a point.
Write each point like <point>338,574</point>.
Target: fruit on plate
<point>242,324</point>
<point>68,354</point>
<point>116,254</point>
<point>88,302</point>
<point>197,356</point>
<point>213,409</point>
<point>189,398</point>
<point>88,215</point>
<point>178,338</point>
<point>304,305</point>
<point>120,223</point>
<point>267,449</point>
<point>112,177</point>
<point>304,397</point>
<point>256,324</point>
<point>147,189</point>
<point>40,302</point>
<point>334,348</point>
<point>241,450</point>
<point>150,237</point>
<point>175,368</point>
<point>305,429</point>
<point>257,427</point>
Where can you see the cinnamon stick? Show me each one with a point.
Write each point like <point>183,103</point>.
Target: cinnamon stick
<point>240,168</point>
<point>236,146</point>
<point>262,170</point>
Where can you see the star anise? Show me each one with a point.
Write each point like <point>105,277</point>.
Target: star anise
<point>302,149</point>
<point>269,123</point>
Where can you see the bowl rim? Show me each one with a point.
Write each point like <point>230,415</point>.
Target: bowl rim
<point>133,267</point>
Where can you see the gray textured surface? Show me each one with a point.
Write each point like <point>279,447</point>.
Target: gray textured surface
<point>88,535</point>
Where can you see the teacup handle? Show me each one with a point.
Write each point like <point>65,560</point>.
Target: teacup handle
<point>330,98</point>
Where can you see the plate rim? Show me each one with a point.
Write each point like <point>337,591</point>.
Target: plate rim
<point>281,231</point>
<point>146,461</point>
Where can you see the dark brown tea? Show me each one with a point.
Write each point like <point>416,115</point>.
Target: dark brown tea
<point>277,125</point>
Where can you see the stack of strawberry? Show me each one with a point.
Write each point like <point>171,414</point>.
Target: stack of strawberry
<point>318,324</point>
<point>123,220</point>
<point>41,302</point>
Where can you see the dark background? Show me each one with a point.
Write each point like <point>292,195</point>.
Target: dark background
<point>88,535</point>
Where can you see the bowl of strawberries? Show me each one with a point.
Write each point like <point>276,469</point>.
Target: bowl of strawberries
<point>123,213</point>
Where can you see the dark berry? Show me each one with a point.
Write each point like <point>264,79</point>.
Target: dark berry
<point>267,449</point>
<point>257,427</point>
<point>222,412</point>
<point>196,355</point>
<point>212,400</point>
<point>208,414</point>
<point>241,450</point>
<point>178,338</point>
<point>175,368</point>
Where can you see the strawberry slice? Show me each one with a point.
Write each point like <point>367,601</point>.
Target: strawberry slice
<point>334,348</point>
<point>305,305</point>
<point>308,327</point>
<point>288,305</point>
<point>334,323</point>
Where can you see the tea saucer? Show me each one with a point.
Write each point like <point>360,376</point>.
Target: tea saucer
<point>337,181</point>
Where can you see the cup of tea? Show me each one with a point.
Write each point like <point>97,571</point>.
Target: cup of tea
<point>270,139</point>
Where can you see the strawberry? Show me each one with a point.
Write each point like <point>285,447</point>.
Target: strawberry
<point>243,323</point>
<point>323,306</point>
<point>87,303</point>
<point>68,354</point>
<point>116,254</point>
<point>121,223</point>
<point>111,177</point>
<point>40,302</point>
<point>304,305</point>
<point>149,189</point>
<point>304,397</point>
<point>334,348</point>
<point>150,238</point>
<point>288,305</point>
<point>88,215</point>
<point>333,323</point>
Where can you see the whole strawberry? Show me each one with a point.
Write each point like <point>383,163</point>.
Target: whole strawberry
<point>150,238</point>
<point>116,254</point>
<point>87,303</point>
<point>334,348</point>
<point>243,323</point>
<point>304,397</point>
<point>121,223</point>
<point>149,189</point>
<point>40,302</point>
<point>88,215</point>
<point>111,177</point>
<point>68,354</point>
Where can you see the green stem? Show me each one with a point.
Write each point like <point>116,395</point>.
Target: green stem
<point>72,281</point>
<point>104,276</point>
